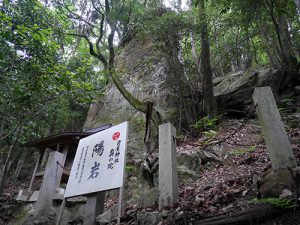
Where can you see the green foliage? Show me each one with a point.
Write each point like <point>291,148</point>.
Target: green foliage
<point>21,214</point>
<point>288,101</point>
<point>129,168</point>
<point>206,123</point>
<point>163,26</point>
<point>242,151</point>
<point>278,202</point>
<point>208,136</point>
<point>43,89</point>
<point>210,133</point>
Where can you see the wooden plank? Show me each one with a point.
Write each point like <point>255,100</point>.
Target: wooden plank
<point>277,141</point>
<point>20,164</point>
<point>121,197</point>
<point>248,216</point>
<point>94,207</point>
<point>49,183</point>
<point>168,174</point>
<point>61,210</point>
<point>45,158</point>
<point>120,204</point>
<point>34,171</point>
<point>61,170</point>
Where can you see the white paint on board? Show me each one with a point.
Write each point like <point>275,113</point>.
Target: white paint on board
<point>99,162</point>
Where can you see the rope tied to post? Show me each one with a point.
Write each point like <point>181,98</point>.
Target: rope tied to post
<point>63,167</point>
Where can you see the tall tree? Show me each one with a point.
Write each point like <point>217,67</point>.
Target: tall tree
<point>100,22</point>
<point>38,81</point>
<point>205,67</point>
<point>297,2</point>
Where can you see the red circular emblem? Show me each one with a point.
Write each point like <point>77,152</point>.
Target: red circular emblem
<point>116,136</point>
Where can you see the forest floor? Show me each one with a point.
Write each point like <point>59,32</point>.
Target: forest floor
<point>9,207</point>
<point>227,183</point>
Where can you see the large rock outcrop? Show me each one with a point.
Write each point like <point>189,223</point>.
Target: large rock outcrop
<point>147,73</point>
<point>234,91</point>
<point>151,75</point>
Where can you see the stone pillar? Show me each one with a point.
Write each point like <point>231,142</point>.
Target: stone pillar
<point>49,183</point>
<point>94,207</point>
<point>168,174</point>
<point>279,148</point>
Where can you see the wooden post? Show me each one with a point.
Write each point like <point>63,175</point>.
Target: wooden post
<point>59,176</point>
<point>49,183</point>
<point>168,174</point>
<point>45,158</point>
<point>120,204</point>
<point>121,197</point>
<point>34,171</point>
<point>94,207</point>
<point>61,170</point>
<point>61,210</point>
<point>279,148</point>
<point>20,164</point>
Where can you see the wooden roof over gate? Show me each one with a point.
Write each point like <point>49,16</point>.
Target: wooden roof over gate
<point>64,138</point>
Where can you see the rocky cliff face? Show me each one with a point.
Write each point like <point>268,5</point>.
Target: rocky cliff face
<point>147,73</point>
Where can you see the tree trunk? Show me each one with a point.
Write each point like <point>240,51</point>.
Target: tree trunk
<point>298,6</point>
<point>270,44</point>
<point>283,35</point>
<point>2,127</point>
<point>208,95</point>
<point>247,53</point>
<point>287,52</point>
<point>18,168</point>
<point>194,53</point>
<point>1,175</point>
<point>288,57</point>
<point>237,57</point>
<point>7,164</point>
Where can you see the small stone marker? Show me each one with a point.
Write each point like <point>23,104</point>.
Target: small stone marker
<point>48,188</point>
<point>168,175</point>
<point>94,207</point>
<point>278,145</point>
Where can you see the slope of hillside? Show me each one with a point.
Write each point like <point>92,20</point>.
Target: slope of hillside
<point>234,164</point>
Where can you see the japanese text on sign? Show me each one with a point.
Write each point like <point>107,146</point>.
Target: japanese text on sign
<point>99,162</point>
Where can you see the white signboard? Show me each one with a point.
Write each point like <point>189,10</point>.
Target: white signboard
<point>99,162</point>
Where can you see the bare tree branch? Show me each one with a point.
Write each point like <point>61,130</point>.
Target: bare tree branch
<point>237,44</point>
<point>77,17</point>
<point>12,130</point>
<point>111,46</point>
<point>98,55</point>
<point>102,7</point>
<point>107,8</point>
<point>100,34</point>
<point>94,6</point>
